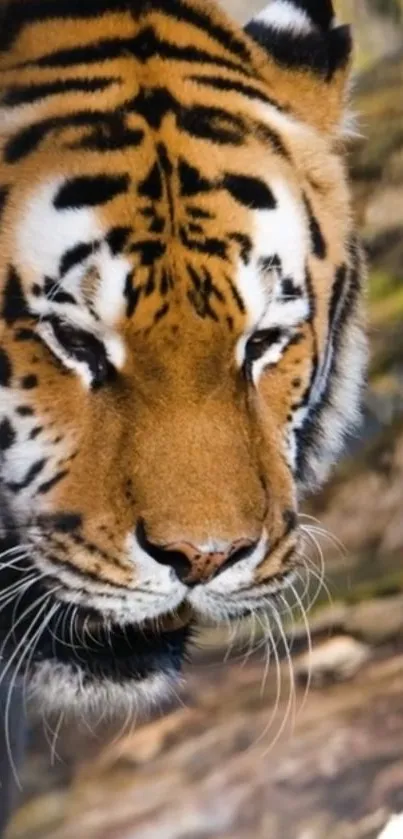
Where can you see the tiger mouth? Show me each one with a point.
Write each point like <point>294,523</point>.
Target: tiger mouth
<point>120,652</point>
<point>81,639</point>
<point>171,621</point>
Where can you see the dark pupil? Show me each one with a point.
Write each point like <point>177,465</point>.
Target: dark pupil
<point>261,341</point>
<point>86,348</point>
<point>73,340</point>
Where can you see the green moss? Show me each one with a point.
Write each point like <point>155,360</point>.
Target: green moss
<point>381,285</point>
<point>389,8</point>
<point>386,586</point>
<point>385,298</point>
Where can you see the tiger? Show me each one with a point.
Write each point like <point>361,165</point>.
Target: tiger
<point>183,347</point>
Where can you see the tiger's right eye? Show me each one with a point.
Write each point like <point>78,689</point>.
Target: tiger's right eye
<point>261,341</point>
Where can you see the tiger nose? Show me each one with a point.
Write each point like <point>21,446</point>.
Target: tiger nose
<point>191,564</point>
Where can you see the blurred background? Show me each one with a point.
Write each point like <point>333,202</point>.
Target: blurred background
<point>235,757</point>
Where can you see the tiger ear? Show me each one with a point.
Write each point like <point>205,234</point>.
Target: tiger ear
<point>307,59</point>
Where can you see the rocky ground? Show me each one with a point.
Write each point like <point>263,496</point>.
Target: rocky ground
<point>216,765</point>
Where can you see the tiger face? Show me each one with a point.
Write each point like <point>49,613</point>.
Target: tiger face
<point>181,344</point>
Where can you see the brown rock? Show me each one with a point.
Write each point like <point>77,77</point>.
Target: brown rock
<point>334,660</point>
<point>377,621</point>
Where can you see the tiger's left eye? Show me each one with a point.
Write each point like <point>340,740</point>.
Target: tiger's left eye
<point>260,342</point>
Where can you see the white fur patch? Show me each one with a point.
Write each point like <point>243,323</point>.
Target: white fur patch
<point>284,16</point>
<point>283,231</point>
<point>219,606</point>
<point>253,292</point>
<point>154,591</point>
<point>45,233</point>
<point>343,413</point>
<point>242,573</point>
<point>394,828</point>
<point>270,357</point>
<point>109,302</point>
<point>280,232</point>
<point>60,687</point>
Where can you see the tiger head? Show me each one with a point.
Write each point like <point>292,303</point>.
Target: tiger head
<point>181,348</point>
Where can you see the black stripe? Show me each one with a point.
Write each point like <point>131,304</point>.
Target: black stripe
<point>14,303</point>
<point>166,282</point>
<point>143,47</point>
<point>150,250</point>
<point>42,10</point>
<point>132,294</point>
<point>347,285</point>
<point>27,334</point>
<point>342,305</point>
<point>219,33</point>
<point>198,212</point>
<point>17,15</point>
<point>61,522</point>
<point>75,255</point>
<point>210,123</point>
<point>27,94</point>
<point>268,135</point>
<point>90,191</point>
<point>191,180</point>
<point>117,238</point>
<point>272,262</point>
<point>56,293</point>
<point>153,104</point>
<point>7,435</point>
<point>245,244</point>
<point>149,287</point>
<point>109,135</point>
<point>201,292</point>
<point>48,485</point>
<point>28,139</point>
<point>36,432</point>
<point>312,303</point>
<point>161,312</point>
<point>209,246</point>
<point>106,49</point>
<point>337,293</point>
<point>215,124</point>
<point>236,295</point>
<point>167,168</point>
<point>234,85</point>
<point>319,247</point>
<point>290,290</point>
<point>30,476</point>
<point>4,190</point>
<point>321,53</point>
<point>152,186</point>
<point>110,131</point>
<point>249,191</point>
<point>29,382</point>
<point>321,14</point>
<point>25,411</point>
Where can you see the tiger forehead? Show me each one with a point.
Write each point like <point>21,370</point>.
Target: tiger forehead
<point>163,172</point>
<point>183,232</point>
<point>172,197</point>
<point>190,232</point>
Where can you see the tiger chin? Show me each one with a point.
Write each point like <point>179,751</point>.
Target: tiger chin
<point>182,347</point>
